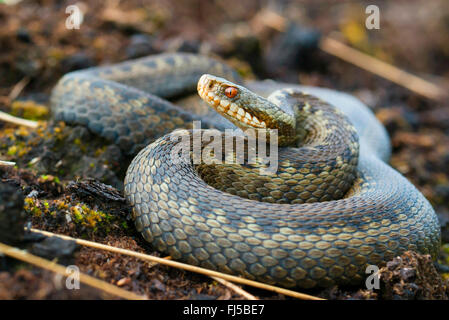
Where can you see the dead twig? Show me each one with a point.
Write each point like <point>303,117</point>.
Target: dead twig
<point>383,69</point>
<point>336,48</point>
<point>179,265</point>
<point>235,288</point>
<point>7,163</point>
<point>15,92</point>
<point>61,270</point>
<point>18,88</point>
<point>227,284</point>
<point>18,121</point>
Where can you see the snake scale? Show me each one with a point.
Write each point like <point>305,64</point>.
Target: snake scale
<point>333,207</point>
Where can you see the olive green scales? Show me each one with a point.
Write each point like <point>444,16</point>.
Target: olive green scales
<point>333,207</point>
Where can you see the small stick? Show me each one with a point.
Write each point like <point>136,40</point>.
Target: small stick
<point>235,288</point>
<point>60,269</point>
<point>184,266</point>
<point>360,59</point>
<point>7,163</point>
<point>383,69</point>
<point>19,121</point>
<point>227,284</point>
<point>15,92</point>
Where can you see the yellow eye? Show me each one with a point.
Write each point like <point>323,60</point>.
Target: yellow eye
<point>231,92</point>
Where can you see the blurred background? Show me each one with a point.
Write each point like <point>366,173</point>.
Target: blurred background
<point>282,40</point>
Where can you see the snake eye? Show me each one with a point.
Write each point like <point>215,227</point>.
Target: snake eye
<point>231,92</point>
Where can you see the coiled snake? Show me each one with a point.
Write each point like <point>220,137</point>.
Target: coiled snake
<point>333,207</point>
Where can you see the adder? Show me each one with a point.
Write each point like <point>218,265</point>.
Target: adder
<point>333,207</point>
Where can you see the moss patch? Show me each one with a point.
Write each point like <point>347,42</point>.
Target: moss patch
<point>29,110</point>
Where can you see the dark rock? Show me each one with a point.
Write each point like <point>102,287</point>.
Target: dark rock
<point>33,236</point>
<point>294,50</point>
<point>77,61</point>
<point>183,45</point>
<point>56,248</point>
<point>24,35</point>
<point>191,46</point>
<point>249,49</point>
<point>12,215</point>
<point>140,45</point>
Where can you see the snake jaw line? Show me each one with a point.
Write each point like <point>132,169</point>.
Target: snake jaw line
<point>209,92</point>
<point>246,109</point>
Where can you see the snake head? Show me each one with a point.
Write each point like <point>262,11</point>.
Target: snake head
<point>243,107</point>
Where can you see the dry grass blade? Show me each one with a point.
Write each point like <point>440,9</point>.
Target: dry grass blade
<point>227,284</point>
<point>15,92</point>
<point>179,265</point>
<point>18,121</point>
<point>7,163</point>
<point>235,288</point>
<point>59,269</point>
<point>336,48</point>
<point>383,69</point>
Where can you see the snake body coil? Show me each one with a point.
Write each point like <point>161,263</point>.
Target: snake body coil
<point>333,207</point>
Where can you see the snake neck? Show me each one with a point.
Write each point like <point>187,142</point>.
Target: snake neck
<point>318,154</point>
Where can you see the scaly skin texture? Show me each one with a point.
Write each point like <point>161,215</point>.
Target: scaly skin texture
<point>279,239</point>
<point>132,117</point>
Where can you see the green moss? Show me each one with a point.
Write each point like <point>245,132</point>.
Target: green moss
<point>13,142</point>
<point>48,178</point>
<point>12,151</point>
<point>32,207</point>
<point>29,110</point>
<point>82,215</point>
<point>445,248</point>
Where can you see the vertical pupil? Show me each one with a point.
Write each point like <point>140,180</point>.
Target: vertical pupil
<point>231,92</point>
